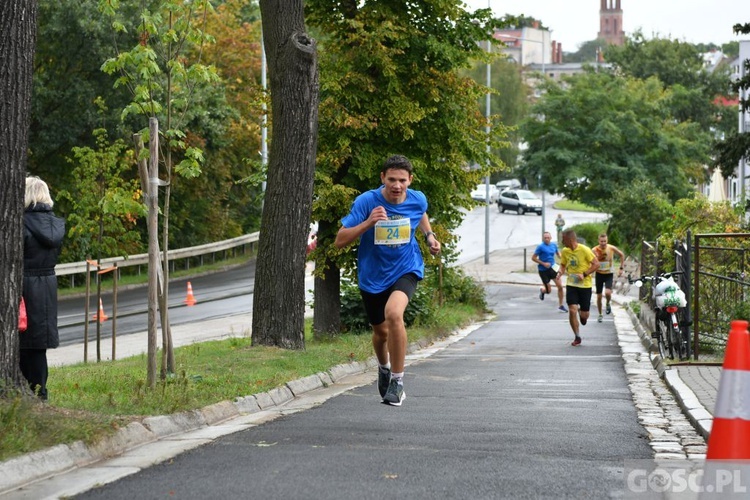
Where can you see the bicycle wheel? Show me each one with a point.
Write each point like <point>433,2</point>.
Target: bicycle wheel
<point>669,338</point>
<point>681,344</point>
<point>660,341</point>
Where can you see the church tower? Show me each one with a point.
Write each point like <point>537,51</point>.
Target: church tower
<point>610,22</point>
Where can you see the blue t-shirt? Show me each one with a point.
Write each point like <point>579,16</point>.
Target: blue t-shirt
<point>397,251</point>
<point>546,253</point>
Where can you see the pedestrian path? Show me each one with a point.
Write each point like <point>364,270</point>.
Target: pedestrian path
<point>695,386</point>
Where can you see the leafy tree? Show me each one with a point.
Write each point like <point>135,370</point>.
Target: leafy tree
<point>736,146</point>
<point>679,66</point>
<point>236,54</point>
<point>17,40</point>
<point>731,49</point>
<point>636,214</point>
<point>104,205</point>
<point>391,84</point>
<point>587,52</point>
<point>279,297</point>
<point>598,133</point>
<point>509,101</point>
<point>71,45</point>
<point>163,82</point>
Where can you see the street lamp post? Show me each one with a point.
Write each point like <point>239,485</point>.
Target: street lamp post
<point>544,72</point>
<point>487,177</point>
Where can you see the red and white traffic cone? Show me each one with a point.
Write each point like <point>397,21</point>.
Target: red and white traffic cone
<point>728,456</point>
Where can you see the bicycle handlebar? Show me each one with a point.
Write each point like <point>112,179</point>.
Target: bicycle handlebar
<point>657,278</point>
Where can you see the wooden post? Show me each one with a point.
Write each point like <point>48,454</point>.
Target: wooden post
<point>153,246</point>
<point>86,312</point>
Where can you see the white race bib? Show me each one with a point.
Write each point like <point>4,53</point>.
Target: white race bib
<point>392,232</point>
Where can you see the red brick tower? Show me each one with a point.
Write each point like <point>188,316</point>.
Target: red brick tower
<point>610,22</point>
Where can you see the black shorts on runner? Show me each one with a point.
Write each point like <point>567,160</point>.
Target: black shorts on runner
<point>603,281</point>
<point>375,302</point>
<point>548,275</point>
<point>578,296</point>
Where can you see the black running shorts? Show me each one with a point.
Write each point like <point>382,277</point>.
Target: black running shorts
<point>375,302</point>
<point>548,275</point>
<point>603,281</point>
<point>576,296</point>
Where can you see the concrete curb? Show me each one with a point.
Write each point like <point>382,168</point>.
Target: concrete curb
<point>39,465</point>
<point>696,413</point>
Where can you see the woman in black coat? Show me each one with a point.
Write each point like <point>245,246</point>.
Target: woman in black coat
<point>42,240</point>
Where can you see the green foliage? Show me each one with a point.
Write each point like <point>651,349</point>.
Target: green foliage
<point>105,204</point>
<point>440,285</point>
<point>735,147</point>
<point>157,71</point>
<point>353,315</point>
<point>598,133</point>
<point>452,285</point>
<point>589,232</point>
<point>70,45</point>
<point>586,52</point>
<point>390,83</point>
<point>354,318</point>
<point>636,214</point>
<point>698,215</point>
<point>509,100</point>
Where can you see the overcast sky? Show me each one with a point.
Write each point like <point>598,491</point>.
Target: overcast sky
<point>576,21</point>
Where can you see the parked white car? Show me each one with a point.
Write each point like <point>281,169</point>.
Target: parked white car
<point>480,193</point>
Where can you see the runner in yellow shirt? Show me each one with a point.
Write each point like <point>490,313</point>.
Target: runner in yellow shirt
<point>579,262</point>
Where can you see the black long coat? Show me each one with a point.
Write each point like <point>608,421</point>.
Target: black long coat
<point>42,239</point>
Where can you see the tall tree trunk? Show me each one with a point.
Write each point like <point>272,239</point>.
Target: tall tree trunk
<point>279,298</point>
<point>17,44</point>
<point>327,312</point>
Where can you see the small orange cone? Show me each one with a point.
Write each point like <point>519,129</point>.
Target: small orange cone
<point>100,316</point>
<point>190,299</point>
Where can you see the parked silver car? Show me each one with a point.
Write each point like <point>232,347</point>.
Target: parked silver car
<point>520,200</point>
<point>508,184</point>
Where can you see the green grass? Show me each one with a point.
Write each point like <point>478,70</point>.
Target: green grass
<point>89,401</point>
<point>573,205</point>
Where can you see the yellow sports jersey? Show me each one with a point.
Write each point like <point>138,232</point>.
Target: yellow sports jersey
<point>606,259</point>
<point>577,262</point>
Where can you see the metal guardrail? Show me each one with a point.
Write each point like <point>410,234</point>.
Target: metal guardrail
<point>179,253</point>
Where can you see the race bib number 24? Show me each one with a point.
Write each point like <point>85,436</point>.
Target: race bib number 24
<point>392,232</point>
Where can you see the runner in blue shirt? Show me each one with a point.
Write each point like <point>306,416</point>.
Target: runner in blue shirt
<point>544,256</point>
<point>389,264</point>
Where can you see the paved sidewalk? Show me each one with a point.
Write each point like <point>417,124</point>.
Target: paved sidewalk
<point>695,386</point>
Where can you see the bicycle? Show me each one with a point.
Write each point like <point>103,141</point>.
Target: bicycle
<point>671,334</point>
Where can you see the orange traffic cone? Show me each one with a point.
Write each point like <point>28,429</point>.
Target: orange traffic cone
<point>727,465</point>
<point>190,299</point>
<point>730,431</point>
<point>100,316</point>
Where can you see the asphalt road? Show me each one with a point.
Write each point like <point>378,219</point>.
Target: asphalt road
<point>218,294</point>
<point>510,411</point>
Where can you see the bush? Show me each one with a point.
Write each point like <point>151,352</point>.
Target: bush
<point>456,288</point>
<point>588,233</point>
